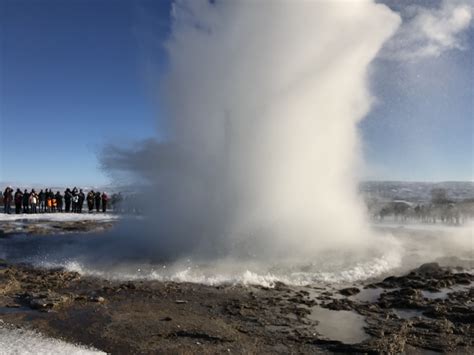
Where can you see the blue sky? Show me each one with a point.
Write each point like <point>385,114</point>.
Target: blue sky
<point>78,74</point>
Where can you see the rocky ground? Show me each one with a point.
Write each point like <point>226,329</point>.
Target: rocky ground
<point>429,309</point>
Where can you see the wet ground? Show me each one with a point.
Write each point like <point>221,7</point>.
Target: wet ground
<point>54,223</point>
<point>429,309</point>
<point>393,315</point>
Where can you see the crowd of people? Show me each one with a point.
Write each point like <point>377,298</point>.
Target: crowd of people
<point>46,201</point>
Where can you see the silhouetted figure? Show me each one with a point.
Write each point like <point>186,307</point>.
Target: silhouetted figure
<point>42,201</point>
<point>59,201</point>
<point>75,203</point>
<point>18,201</point>
<point>67,199</point>
<point>105,198</point>
<point>97,201</point>
<point>80,202</point>
<point>90,200</point>
<point>25,202</point>
<point>7,200</point>
<point>49,200</point>
<point>33,201</point>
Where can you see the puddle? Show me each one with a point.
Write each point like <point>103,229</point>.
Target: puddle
<point>444,292</point>
<point>344,326</point>
<point>369,295</point>
<point>12,310</point>
<point>408,313</point>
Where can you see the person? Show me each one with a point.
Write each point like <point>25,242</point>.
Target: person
<point>97,201</point>
<point>67,199</point>
<point>33,200</point>
<point>90,200</point>
<point>25,201</point>
<point>105,198</point>
<point>54,203</point>
<point>7,200</point>
<point>59,201</point>
<point>75,202</point>
<point>42,201</point>
<point>80,202</point>
<point>49,200</point>
<point>18,201</point>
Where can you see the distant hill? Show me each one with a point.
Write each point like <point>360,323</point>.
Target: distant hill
<point>416,191</point>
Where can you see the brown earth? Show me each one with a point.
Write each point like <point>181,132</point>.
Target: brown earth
<point>146,317</point>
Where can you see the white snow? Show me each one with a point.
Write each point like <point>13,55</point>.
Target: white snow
<point>24,342</point>
<point>60,217</point>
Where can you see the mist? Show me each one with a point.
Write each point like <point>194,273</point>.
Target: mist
<point>261,102</point>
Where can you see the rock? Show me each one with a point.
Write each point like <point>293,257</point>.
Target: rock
<point>429,269</point>
<point>98,299</point>
<point>349,291</point>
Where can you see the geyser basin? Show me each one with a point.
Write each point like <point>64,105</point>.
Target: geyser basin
<point>261,103</point>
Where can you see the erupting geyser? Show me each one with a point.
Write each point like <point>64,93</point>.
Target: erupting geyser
<point>261,100</point>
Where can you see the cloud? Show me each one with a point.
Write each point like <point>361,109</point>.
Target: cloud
<point>429,32</point>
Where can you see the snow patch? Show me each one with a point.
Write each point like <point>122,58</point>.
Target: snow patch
<point>22,341</point>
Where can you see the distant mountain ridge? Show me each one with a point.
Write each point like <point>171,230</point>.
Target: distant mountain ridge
<point>416,191</point>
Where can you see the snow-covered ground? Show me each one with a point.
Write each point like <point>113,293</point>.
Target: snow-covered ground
<point>438,227</point>
<point>59,217</point>
<point>21,341</point>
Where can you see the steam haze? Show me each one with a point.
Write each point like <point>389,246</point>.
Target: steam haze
<point>261,102</point>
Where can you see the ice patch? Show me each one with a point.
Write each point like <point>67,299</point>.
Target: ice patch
<point>21,341</point>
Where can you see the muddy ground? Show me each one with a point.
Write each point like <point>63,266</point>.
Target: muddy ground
<point>429,309</point>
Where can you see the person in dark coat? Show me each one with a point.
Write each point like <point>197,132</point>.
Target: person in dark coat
<point>97,201</point>
<point>105,198</point>
<point>90,200</point>
<point>26,202</point>
<point>59,201</point>
<point>67,199</point>
<point>7,200</point>
<point>42,201</point>
<point>18,201</point>
<point>80,202</point>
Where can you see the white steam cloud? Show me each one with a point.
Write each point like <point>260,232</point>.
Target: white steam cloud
<point>262,99</point>
<point>429,32</point>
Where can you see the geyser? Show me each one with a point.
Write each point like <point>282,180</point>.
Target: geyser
<point>261,100</point>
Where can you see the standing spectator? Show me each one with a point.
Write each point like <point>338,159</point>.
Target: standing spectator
<point>82,197</point>
<point>42,201</point>
<point>90,200</point>
<point>54,202</point>
<point>59,201</point>
<point>97,201</point>
<point>49,200</point>
<point>26,200</point>
<point>75,200</point>
<point>7,199</point>
<point>104,202</point>
<point>18,201</point>
<point>33,201</point>
<point>67,199</point>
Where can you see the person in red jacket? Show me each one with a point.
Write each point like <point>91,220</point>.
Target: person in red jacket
<point>105,198</point>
